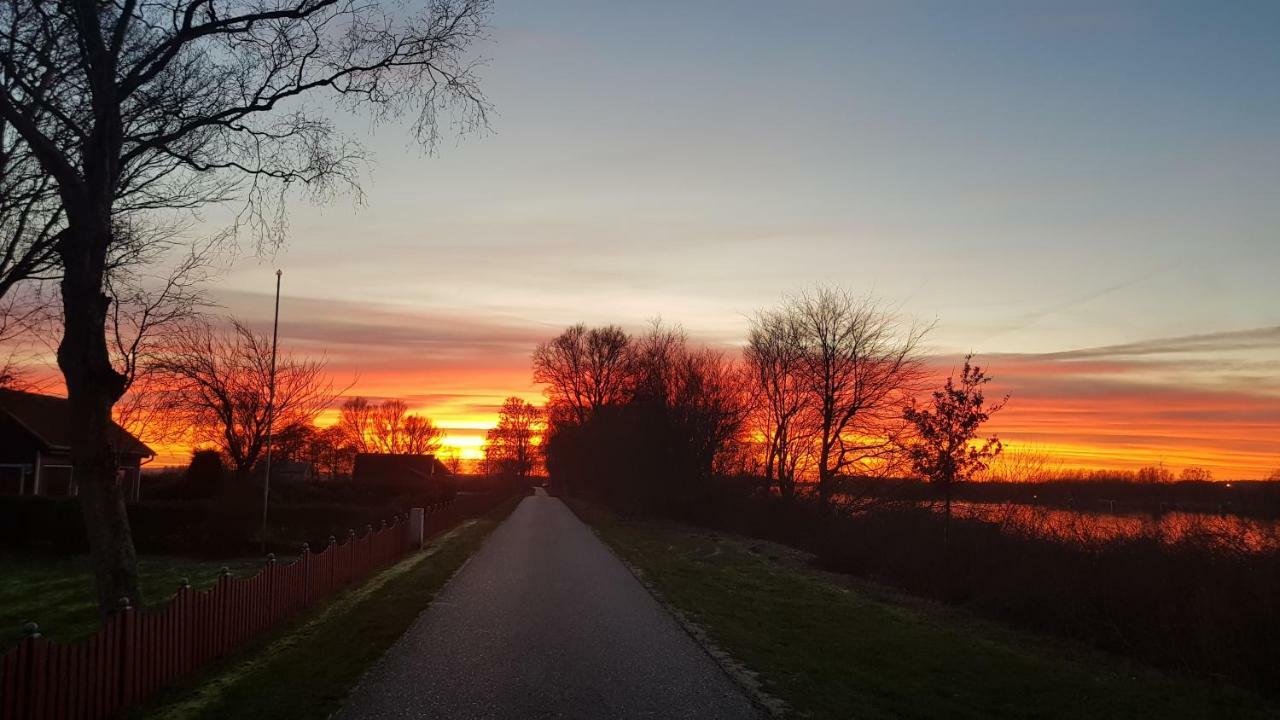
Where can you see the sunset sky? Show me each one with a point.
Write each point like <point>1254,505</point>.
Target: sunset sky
<point>1087,196</point>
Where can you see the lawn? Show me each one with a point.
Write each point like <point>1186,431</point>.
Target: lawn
<point>57,593</point>
<point>829,646</point>
<point>307,669</point>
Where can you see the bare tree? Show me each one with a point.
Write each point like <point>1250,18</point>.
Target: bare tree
<point>131,107</point>
<point>421,436</point>
<point>388,426</point>
<point>356,421</point>
<point>219,385</point>
<point>146,311</point>
<point>453,460</point>
<point>1195,473</point>
<point>510,446</point>
<point>946,448</point>
<point>860,364</point>
<point>696,391</point>
<point>392,429</point>
<point>584,369</point>
<point>31,216</point>
<point>1023,464</point>
<point>783,407</point>
<point>1157,473</point>
<point>330,453</point>
<point>24,321</point>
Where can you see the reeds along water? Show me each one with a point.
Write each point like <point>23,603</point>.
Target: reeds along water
<point>1224,532</point>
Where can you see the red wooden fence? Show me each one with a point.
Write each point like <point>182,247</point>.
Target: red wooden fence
<point>137,652</point>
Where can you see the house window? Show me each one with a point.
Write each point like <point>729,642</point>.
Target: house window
<point>55,481</point>
<point>13,479</point>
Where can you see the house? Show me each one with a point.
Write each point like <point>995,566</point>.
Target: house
<point>404,471</point>
<point>291,471</point>
<point>35,452</point>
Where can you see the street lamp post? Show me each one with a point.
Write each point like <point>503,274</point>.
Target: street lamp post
<point>271,411</point>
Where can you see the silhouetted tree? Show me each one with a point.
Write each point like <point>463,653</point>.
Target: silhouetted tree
<point>692,402</point>
<point>509,447</point>
<point>1155,474</point>
<point>219,385</point>
<point>23,312</point>
<point>356,421</point>
<point>292,443</point>
<point>946,448</point>
<point>584,370</point>
<point>1195,474</point>
<point>330,453</point>
<point>655,444</point>
<point>421,436</point>
<point>146,311</point>
<point>394,430</point>
<point>859,363</point>
<point>1024,465</point>
<point>782,407</point>
<point>453,460</point>
<point>203,476</point>
<point>132,107</point>
<point>31,216</point>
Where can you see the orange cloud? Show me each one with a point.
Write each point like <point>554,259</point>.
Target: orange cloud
<point>1210,400</point>
<point>1207,400</point>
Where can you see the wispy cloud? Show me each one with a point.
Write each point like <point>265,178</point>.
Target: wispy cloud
<point>1253,339</point>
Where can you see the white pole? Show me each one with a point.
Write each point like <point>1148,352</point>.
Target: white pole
<point>271,411</point>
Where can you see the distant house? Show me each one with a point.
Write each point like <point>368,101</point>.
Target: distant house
<point>35,452</point>
<point>406,471</point>
<point>291,471</point>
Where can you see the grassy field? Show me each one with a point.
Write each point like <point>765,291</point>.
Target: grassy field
<point>56,592</point>
<point>829,646</point>
<point>307,669</point>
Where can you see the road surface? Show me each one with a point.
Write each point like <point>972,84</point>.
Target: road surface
<point>545,622</point>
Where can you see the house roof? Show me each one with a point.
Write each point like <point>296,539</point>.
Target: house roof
<point>397,469</point>
<point>46,417</point>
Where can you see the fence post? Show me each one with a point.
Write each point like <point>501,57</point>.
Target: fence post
<point>186,628</point>
<point>306,574</point>
<point>222,611</point>
<point>351,554</point>
<point>368,553</point>
<point>417,527</point>
<point>271,589</point>
<point>332,550</point>
<point>379,551</point>
<point>128,653</point>
<point>21,677</point>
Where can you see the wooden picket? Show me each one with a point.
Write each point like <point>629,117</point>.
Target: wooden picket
<point>137,652</point>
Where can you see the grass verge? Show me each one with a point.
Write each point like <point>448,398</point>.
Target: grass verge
<point>57,591</point>
<point>307,669</point>
<point>829,646</point>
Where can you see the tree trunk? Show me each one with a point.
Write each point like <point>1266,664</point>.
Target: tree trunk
<point>825,477</point>
<point>946,519</point>
<point>93,387</point>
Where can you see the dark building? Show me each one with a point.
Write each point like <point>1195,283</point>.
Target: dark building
<point>292,471</point>
<point>35,453</point>
<point>401,471</point>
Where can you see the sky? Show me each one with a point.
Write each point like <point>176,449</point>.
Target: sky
<point>1083,194</point>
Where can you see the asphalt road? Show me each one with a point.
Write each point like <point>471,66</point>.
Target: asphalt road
<point>545,622</point>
